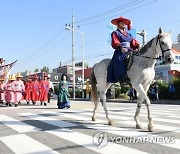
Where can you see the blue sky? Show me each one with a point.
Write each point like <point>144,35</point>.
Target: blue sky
<point>33,31</point>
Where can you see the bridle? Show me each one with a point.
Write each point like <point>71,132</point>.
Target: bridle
<point>156,58</point>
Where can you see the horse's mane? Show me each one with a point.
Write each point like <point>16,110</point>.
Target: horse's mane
<point>145,48</point>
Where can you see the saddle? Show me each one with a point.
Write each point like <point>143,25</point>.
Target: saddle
<point>128,60</point>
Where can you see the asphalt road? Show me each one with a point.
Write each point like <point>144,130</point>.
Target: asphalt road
<point>46,129</point>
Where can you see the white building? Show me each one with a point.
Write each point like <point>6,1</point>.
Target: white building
<point>167,72</point>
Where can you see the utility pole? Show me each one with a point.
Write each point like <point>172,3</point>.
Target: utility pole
<point>143,34</point>
<point>73,58</point>
<point>82,63</point>
<point>72,28</point>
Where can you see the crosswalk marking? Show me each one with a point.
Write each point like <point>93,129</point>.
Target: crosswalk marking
<point>86,141</point>
<point>17,125</point>
<point>122,116</point>
<point>82,118</point>
<point>23,144</point>
<point>118,116</point>
<point>122,131</point>
<point>49,120</point>
<point>157,126</point>
<point>143,113</point>
<point>110,129</point>
<point>80,138</point>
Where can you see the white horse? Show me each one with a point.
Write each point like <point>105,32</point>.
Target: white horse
<point>141,75</point>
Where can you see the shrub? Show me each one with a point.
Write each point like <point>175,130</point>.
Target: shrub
<point>163,90</point>
<point>117,92</point>
<point>124,89</point>
<point>121,91</point>
<point>56,89</point>
<point>78,94</point>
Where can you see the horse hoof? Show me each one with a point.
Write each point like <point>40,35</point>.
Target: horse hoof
<point>138,126</point>
<point>110,122</point>
<point>93,118</point>
<point>150,128</point>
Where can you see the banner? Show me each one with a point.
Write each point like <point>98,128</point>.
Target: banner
<point>4,69</point>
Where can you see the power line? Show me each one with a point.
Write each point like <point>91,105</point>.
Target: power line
<point>163,24</point>
<point>120,13</point>
<point>33,58</point>
<point>90,57</point>
<point>49,41</point>
<point>110,11</point>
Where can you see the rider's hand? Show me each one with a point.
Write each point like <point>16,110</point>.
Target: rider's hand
<point>124,50</point>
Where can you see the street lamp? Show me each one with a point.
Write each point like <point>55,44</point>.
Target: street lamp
<point>68,28</point>
<point>143,34</point>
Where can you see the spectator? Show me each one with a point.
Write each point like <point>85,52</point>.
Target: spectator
<point>108,94</point>
<point>172,91</point>
<point>131,93</point>
<point>156,91</point>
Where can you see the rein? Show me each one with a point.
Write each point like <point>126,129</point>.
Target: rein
<point>156,58</point>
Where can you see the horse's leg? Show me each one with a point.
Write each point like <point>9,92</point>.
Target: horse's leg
<point>136,117</point>
<point>95,108</point>
<point>103,102</point>
<point>143,98</point>
<point>148,102</point>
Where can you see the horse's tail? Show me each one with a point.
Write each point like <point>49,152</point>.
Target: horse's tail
<point>93,87</point>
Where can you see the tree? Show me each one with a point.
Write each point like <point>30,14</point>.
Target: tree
<point>45,69</point>
<point>36,70</point>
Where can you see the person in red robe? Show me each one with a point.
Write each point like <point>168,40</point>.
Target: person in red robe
<point>44,89</point>
<point>28,90</point>
<point>35,89</point>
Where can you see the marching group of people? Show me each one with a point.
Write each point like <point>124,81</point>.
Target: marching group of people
<point>15,90</point>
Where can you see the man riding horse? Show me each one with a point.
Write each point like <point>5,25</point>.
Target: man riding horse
<point>123,43</point>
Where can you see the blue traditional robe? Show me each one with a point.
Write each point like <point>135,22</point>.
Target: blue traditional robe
<point>116,68</point>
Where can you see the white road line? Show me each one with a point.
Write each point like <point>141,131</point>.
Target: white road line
<point>143,112</point>
<point>109,129</point>
<point>17,125</point>
<point>127,114</point>
<point>49,120</point>
<point>157,126</point>
<point>82,139</point>
<point>120,131</point>
<point>23,144</point>
<point>87,141</point>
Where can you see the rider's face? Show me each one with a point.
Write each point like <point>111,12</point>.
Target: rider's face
<point>121,24</point>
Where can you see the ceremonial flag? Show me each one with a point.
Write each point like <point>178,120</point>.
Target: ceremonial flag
<point>4,69</point>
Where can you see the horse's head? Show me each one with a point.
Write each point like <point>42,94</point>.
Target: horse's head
<point>165,46</point>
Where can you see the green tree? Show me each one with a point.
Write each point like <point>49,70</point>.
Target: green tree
<point>36,70</point>
<point>45,69</point>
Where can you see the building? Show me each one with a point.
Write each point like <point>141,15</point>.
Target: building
<point>167,72</point>
<point>177,44</point>
<point>87,73</point>
<point>67,69</point>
